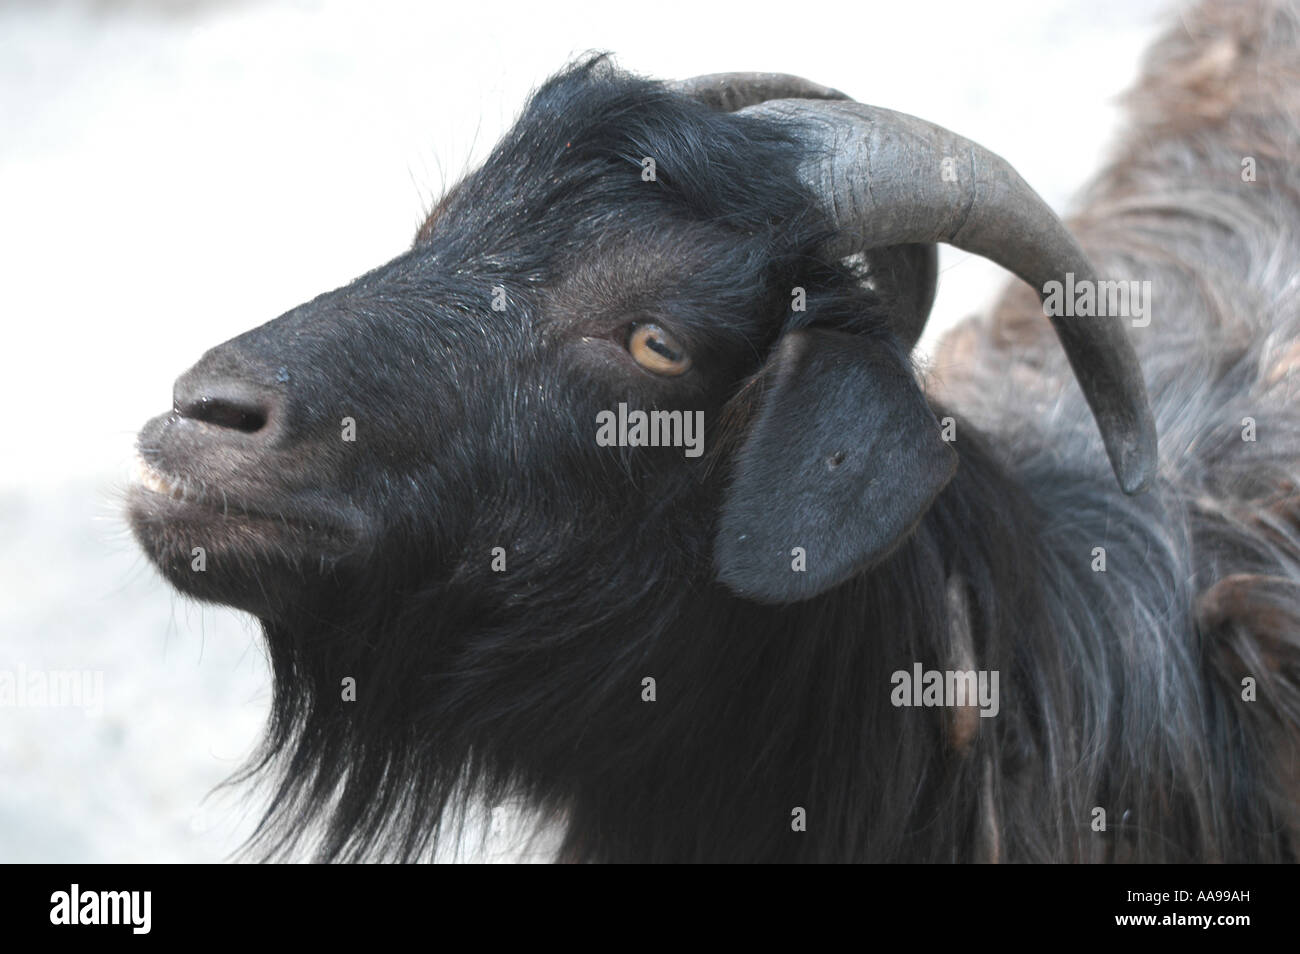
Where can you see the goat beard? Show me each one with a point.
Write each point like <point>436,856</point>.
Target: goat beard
<point>398,711</point>
<point>462,702</point>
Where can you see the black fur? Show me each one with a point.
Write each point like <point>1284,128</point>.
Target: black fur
<point>475,430</point>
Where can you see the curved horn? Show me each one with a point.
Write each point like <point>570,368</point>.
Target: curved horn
<point>878,174</point>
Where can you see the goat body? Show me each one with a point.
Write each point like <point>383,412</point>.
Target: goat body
<point>1146,648</point>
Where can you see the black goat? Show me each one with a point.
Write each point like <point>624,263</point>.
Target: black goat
<point>402,480</point>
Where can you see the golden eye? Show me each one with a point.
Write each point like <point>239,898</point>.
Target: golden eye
<point>656,350</point>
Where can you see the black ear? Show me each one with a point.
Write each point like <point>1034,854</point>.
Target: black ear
<point>843,458</point>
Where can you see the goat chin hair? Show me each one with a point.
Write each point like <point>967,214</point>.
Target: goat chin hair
<point>1148,646</point>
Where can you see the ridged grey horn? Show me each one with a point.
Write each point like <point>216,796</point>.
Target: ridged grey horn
<point>881,178</point>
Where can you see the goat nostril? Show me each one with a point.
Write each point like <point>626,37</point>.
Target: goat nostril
<point>223,412</point>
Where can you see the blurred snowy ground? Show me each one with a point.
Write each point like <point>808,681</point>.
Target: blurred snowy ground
<point>174,173</point>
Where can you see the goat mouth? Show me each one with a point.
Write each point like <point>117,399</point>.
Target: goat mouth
<point>254,547</point>
<point>158,496</point>
<point>155,481</point>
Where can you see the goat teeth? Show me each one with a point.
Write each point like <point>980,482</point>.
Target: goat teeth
<point>151,479</point>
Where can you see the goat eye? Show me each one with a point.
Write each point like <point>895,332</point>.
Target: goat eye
<point>656,350</point>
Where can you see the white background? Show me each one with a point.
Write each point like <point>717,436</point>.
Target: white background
<point>174,173</point>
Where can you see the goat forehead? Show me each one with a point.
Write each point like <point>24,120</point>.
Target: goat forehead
<point>693,276</point>
<point>624,272</point>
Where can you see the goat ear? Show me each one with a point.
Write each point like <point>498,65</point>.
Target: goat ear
<point>843,458</point>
